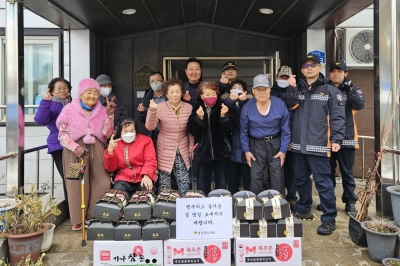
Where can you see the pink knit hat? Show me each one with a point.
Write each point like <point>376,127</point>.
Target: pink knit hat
<point>86,84</point>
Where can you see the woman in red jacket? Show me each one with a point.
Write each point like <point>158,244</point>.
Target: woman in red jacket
<point>133,157</point>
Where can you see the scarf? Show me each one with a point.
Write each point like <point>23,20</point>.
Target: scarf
<point>85,107</point>
<point>60,100</point>
<point>176,109</point>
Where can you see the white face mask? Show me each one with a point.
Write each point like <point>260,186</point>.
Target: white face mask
<point>156,85</point>
<point>237,91</point>
<point>282,83</point>
<point>128,137</point>
<point>105,91</point>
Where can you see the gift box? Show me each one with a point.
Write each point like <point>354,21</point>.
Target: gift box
<point>219,193</point>
<point>246,206</point>
<point>109,206</point>
<point>194,194</point>
<point>240,228</point>
<point>276,208</point>
<point>155,229</point>
<point>269,194</point>
<point>165,206</point>
<point>128,230</point>
<point>289,227</point>
<point>100,230</point>
<point>262,229</point>
<point>139,206</point>
<point>172,230</point>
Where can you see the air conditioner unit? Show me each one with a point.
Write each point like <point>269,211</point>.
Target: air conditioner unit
<point>359,48</point>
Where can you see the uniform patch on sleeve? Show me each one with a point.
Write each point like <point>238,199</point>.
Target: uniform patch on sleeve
<point>340,99</point>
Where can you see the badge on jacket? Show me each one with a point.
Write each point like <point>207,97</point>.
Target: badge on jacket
<point>340,99</point>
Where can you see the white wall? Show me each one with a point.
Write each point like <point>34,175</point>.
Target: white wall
<point>363,19</point>
<point>80,57</point>
<point>316,41</point>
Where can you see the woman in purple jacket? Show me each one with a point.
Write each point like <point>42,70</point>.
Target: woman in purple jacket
<point>54,99</point>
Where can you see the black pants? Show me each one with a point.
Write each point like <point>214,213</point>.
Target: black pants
<point>236,173</point>
<point>345,157</point>
<point>128,187</point>
<point>290,179</point>
<point>206,170</point>
<point>57,157</point>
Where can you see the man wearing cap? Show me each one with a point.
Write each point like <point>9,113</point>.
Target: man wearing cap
<point>345,156</point>
<point>229,74</point>
<point>284,79</point>
<point>106,89</point>
<point>265,136</point>
<point>318,127</point>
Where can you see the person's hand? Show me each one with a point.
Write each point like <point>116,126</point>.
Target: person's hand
<point>223,79</point>
<point>233,96</point>
<point>79,151</point>
<point>141,108</point>
<point>152,106</point>
<point>224,110</point>
<point>243,96</point>
<point>111,105</point>
<point>200,113</point>
<point>146,182</point>
<point>47,95</point>
<point>292,81</point>
<point>187,97</point>
<point>282,156</point>
<point>112,144</point>
<point>249,156</point>
<point>335,147</point>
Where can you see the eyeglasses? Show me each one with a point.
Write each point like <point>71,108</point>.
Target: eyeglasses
<point>312,65</point>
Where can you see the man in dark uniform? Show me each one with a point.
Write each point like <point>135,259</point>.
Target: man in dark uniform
<point>318,127</point>
<point>229,74</point>
<point>345,156</point>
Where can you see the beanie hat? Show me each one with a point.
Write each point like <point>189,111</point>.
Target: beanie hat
<point>86,84</point>
<point>104,79</point>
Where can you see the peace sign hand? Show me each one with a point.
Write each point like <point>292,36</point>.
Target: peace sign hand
<point>113,143</point>
<point>47,95</point>
<point>110,106</point>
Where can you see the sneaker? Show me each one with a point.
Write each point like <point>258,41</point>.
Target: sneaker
<point>304,215</point>
<point>77,227</point>
<point>319,207</point>
<point>326,228</point>
<point>350,207</point>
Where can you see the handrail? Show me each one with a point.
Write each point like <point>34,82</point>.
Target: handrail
<point>25,106</point>
<point>11,155</point>
<point>363,138</point>
<point>35,149</point>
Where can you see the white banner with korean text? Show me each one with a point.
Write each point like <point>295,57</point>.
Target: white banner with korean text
<point>204,218</point>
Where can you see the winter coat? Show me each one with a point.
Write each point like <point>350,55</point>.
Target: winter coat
<point>83,125</point>
<point>46,115</point>
<point>354,102</point>
<point>142,159</point>
<point>319,119</point>
<point>236,108</point>
<point>173,134</point>
<point>119,112</point>
<point>213,134</point>
<point>192,89</point>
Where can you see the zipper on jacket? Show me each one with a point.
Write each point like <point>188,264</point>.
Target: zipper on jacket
<point>208,110</point>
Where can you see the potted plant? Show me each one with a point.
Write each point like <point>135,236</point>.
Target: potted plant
<point>395,197</point>
<point>25,224</point>
<point>391,262</point>
<point>26,262</point>
<point>381,238</point>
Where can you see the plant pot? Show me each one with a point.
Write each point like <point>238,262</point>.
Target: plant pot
<point>20,246</point>
<point>6,205</point>
<point>356,232</point>
<point>380,245</point>
<point>395,197</point>
<point>385,261</point>
<point>48,238</point>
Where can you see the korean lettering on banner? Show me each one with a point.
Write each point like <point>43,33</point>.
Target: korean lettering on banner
<point>204,218</point>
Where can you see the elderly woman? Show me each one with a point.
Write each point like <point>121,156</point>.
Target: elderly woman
<point>265,136</point>
<point>54,99</point>
<point>212,125</point>
<point>133,157</point>
<point>84,126</point>
<point>173,143</point>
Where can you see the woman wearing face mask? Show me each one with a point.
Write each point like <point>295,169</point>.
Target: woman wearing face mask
<point>133,158</point>
<point>174,143</point>
<point>238,170</point>
<point>212,124</point>
<point>54,99</point>
<point>84,126</point>
<point>106,90</point>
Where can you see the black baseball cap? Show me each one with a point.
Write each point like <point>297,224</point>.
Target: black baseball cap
<point>338,65</point>
<point>229,64</point>
<point>311,57</point>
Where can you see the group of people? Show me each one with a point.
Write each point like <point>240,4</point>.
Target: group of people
<point>223,130</point>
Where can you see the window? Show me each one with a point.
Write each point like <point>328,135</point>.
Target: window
<point>41,65</point>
